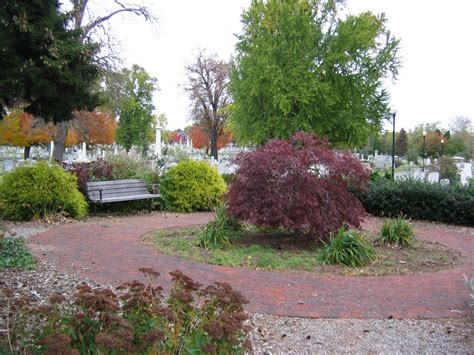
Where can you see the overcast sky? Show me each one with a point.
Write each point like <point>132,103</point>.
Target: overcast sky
<point>437,50</point>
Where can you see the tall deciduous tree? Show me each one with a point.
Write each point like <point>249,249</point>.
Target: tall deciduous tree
<point>136,109</point>
<point>299,66</point>
<point>94,24</point>
<point>208,78</point>
<point>45,67</point>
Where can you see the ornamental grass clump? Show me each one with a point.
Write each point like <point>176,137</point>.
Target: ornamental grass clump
<point>298,185</point>
<point>398,232</point>
<point>347,247</point>
<point>216,233</point>
<point>134,318</point>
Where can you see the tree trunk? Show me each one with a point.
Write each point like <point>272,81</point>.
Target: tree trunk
<point>26,153</point>
<point>60,141</point>
<point>214,143</point>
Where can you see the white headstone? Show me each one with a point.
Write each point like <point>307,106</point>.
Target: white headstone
<point>158,141</point>
<point>8,165</point>
<point>444,182</point>
<point>51,149</point>
<point>433,177</point>
<point>84,151</point>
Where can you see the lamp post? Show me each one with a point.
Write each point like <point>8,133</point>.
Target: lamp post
<point>423,154</point>
<point>394,113</point>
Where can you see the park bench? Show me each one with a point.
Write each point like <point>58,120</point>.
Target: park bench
<point>100,192</point>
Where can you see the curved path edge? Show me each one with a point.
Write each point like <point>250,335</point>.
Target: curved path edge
<point>109,250</point>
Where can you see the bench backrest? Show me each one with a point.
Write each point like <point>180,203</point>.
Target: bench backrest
<point>117,188</point>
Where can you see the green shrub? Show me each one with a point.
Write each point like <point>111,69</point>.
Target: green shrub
<point>215,234</point>
<point>132,319</point>
<point>191,186</point>
<point>36,191</point>
<point>419,200</point>
<point>347,247</point>
<point>14,254</point>
<point>397,231</point>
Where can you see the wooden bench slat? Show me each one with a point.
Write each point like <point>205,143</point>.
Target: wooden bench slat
<point>114,190</point>
<point>112,182</point>
<point>118,190</point>
<point>115,186</point>
<point>96,196</point>
<point>128,198</point>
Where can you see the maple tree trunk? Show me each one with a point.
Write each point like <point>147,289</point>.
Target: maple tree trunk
<point>26,153</point>
<point>60,141</point>
<point>214,144</point>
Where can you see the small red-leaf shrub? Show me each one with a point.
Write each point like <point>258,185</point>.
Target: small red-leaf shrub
<point>300,185</point>
<point>94,171</point>
<point>133,318</point>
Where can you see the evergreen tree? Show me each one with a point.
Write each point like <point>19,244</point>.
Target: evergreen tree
<point>44,67</point>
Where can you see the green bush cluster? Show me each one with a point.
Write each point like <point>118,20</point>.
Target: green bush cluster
<point>191,186</point>
<point>134,318</point>
<point>397,231</point>
<point>36,191</point>
<point>419,200</point>
<point>347,247</point>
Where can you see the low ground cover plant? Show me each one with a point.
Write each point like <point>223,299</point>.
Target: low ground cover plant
<point>191,186</point>
<point>252,248</point>
<point>419,200</point>
<point>36,191</point>
<point>134,318</point>
<point>14,254</point>
<point>347,247</point>
<point>299,185</point>
<point>397,231</point>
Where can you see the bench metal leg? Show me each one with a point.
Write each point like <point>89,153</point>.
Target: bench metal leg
<point>149,205</point>
<point>95,208</point>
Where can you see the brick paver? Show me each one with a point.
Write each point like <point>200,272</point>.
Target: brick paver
<point>111,251</point>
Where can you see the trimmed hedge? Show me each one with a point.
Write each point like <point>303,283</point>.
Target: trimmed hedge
<point>419,200</point>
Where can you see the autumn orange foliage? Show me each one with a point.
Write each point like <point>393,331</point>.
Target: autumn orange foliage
<point>201,139</point>
<point>23,130</point>
<point>96,127</point>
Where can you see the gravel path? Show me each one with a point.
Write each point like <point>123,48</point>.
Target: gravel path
<point>271,334</point>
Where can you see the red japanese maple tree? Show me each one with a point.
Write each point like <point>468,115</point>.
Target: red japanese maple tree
<point>300,185</point>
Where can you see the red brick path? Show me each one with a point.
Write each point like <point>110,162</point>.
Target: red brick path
<point>110,251</point>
